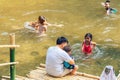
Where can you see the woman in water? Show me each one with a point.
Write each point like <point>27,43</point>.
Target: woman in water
<point>88,45</point>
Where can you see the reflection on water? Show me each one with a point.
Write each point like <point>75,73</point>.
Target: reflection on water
<point>72,19</point>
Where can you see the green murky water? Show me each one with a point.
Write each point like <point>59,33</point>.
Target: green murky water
<point>78,18</point>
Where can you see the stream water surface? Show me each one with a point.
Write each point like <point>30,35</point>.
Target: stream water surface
<point>72,19</point>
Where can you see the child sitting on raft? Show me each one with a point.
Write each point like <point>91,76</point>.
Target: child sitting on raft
<point>40,25</point>
<point>66,64</point>
<point>88,45</point>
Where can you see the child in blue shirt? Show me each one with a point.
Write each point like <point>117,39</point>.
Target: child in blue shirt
<point>66,64</point>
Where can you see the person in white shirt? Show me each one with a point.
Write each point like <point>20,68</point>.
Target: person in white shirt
<point>55,58</point>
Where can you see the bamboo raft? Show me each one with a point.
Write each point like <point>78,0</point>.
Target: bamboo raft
<point>40,74</point>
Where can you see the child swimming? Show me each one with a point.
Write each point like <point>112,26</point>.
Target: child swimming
<point>106,4</point>
<point>108,9</point>
<point>88,45</point>
<point>40,25</point>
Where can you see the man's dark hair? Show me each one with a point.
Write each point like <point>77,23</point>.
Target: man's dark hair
<point>61,40</point>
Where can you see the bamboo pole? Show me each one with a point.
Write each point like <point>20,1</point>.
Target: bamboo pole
<point>12,39</point>
<point>17,78</point>
<point>12,57</point>
<point>5,64</point>
<point>88,75</point>
<point>9,46</point>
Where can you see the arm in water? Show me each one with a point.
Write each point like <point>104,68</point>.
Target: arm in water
<point>57,25</point>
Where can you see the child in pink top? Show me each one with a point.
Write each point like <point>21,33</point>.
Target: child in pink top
<point>88,45</point>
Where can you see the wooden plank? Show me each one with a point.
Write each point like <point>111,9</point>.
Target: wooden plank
<point>17,78</point>
<point>5,64</point>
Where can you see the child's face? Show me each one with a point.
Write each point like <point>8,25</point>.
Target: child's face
<point>87,39</point>
<point>107,4</point>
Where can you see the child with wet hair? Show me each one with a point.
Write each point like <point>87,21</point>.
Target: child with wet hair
<point>40,25</point>
<point>66,64</point>
<point>88,45</point>
<point>108,9</point>
<point>107,3</point>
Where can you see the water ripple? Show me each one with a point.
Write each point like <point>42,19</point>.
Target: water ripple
<point>46,10</point>
<point>77,53</point>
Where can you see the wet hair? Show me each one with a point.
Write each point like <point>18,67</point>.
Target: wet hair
<point>61,40</point>
<point>41,19</point>
<point>67,48</point>
<point>88,35</point>
<point>107,1</point>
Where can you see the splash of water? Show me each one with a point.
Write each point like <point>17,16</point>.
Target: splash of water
<point>4,33</point>
<point>77,53</point>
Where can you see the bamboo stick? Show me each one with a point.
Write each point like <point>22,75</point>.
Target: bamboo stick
<point>5,64</point>
<point>9,46</point>
<point>42,65</point>
<point>6,77</point>
<point>12,57</point>
<point>40,68</point>
<point>88,75</point>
